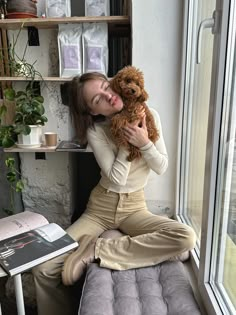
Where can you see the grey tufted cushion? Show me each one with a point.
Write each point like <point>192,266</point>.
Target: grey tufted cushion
<point>159,290</point>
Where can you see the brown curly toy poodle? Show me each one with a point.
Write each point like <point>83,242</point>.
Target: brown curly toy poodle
<point>129,84</point>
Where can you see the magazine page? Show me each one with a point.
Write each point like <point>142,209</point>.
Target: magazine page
<point>51,232</point>
<point>24,251</point>
<point>20,223</point>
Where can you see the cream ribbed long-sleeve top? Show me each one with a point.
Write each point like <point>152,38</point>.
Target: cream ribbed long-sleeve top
<point>118,174</point>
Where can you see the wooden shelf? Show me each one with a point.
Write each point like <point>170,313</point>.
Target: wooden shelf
<point>41,23</point>
<point>48,79</point>
<point>41,149</point>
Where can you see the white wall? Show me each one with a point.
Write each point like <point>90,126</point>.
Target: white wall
<point>157,44</point>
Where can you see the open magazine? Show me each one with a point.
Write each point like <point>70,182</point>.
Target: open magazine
<point>71,145</point>
<point>27,239</point>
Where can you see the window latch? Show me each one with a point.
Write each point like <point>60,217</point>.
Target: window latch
<point>212,23</point>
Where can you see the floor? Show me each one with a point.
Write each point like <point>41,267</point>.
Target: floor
<point>8,305</point>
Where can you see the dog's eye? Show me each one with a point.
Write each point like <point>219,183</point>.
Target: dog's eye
<point>128,80</point>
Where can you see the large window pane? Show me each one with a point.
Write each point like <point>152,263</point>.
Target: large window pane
<point>198,122</point>
<point>225,274</point>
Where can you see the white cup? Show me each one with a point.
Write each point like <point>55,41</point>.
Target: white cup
<point>50,139</point>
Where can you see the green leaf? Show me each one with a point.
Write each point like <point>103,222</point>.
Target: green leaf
<point>9,94</point>
<point>20,93</point>
<point>19,186</point>
<point>44,119</point>
<point>26,108</point>
<point>39,99</point>
<point>7,142</point>
<point>11,176</point>
<point>21,99</point>
<point>24,129</point>
<point>3,110</point>
<point>39,108</point>
<point>10,162</point>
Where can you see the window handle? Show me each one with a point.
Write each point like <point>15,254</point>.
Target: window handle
<point>212,23</point>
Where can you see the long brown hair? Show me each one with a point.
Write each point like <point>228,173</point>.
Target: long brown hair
<point>79,110</point>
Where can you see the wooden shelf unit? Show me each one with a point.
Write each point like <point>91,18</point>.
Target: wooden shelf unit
<point>117,26</point>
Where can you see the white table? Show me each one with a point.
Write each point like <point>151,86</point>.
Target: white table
<point>18,291</point>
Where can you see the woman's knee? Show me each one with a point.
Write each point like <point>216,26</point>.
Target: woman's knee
<point>188,241</point>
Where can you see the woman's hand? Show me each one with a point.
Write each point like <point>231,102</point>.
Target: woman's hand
<point>136,133</point>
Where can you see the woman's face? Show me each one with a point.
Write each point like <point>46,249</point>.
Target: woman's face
<point>101,99</point>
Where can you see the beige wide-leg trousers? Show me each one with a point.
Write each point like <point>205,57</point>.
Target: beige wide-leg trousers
<point>151,239</point>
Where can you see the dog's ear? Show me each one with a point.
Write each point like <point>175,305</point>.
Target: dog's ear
<point>115,84</point>
<point>143,97</point>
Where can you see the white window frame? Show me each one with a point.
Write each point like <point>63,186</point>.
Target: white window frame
<point>218,100</point>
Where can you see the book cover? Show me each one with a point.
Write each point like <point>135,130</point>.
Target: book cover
<point>23,251</point>
<point>71,145</point>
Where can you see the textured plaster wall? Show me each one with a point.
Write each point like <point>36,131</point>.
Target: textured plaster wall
<point>48,188</point>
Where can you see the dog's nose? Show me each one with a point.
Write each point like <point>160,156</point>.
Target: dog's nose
<point>132,91</point>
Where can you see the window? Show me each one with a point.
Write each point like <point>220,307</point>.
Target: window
<point>197,108</point>
<point>223,272</point>
<point>207,177</point>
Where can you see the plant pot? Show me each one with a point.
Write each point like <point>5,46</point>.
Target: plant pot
<point>20,15</point>
<point>26,8</point>
<point>32,139</point>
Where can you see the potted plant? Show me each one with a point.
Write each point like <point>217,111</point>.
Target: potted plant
<point>29,116</point>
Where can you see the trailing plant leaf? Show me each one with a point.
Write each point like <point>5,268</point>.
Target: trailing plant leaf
<point>7,142</point>
<point>11,176</point>
<point>20,186</point>
<point>10,162</point>
<point>7,136</point>
<point>16,184</point>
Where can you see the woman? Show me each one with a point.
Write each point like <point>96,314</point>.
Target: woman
<point>117,202</point>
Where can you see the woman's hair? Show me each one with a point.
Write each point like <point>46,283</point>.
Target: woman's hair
<point>79,110</point>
